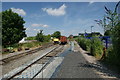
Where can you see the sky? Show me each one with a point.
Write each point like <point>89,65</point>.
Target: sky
<point>66,17</point>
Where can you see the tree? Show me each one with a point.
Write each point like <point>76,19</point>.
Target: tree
<point>107,33</point>
<point>112,17</point>
<point>40,36</point>
<point>0,36</point>
<point>47,38</point>
<point>102,23</point>
<point>115,55</point>
<point>56,34</point>
<point>114,27</point>
<point>12,28</point>
<point>31,38</point>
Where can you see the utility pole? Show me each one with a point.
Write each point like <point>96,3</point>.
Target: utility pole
<point>85,33</point>
<point>85,30</point>
<point>91,49</point>
<point>91,29</point>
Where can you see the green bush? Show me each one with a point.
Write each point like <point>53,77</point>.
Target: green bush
<point>31,38</point>
<point>40,37</point>
<point>110,55</point>
<point>84,43</point>
<point>47,38</point>
<point>43,38</point>
<point>114,53</point>
<point>97,47</point>
<point>94,44</point>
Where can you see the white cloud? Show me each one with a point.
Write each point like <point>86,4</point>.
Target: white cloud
<point>39,25</point>
<point>56,12</point>
<point>19,11</point>
<point>36,29</point>
<point>91,2</point>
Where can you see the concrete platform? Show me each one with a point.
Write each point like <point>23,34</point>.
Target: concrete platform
<point>50,69</point>
<point>75,65</point>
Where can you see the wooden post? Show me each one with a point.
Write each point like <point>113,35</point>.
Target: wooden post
<point>104,53</point>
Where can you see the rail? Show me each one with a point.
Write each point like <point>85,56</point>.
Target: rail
<point>13,73</point>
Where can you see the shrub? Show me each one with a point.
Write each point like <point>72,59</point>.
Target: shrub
<point>97,47</point>
<point>84,43</point>
<point>40,37</point>
<point>47,38</point>
<point>114,55</point>
<point>31,38</point>
<point>110,55</point>
<point>92,45</point>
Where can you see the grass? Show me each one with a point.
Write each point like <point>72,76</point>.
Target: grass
<point>30,45</point>
<point>33,44</point>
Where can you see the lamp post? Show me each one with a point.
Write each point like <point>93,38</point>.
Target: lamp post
<point>91,50</point>
<point>85,33</point>
<point>91,29</point>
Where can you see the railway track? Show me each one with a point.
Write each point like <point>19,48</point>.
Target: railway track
<point>16,56</point>
<point>36,66</point>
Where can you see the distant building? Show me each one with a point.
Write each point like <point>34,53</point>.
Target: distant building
<point>22,41</point>
<point>81,34</point>
<point>96,33</point>
<point>89,34</point>
<point>26,41</point>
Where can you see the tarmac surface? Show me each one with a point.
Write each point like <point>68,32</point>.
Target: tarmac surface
<point>75,65</point>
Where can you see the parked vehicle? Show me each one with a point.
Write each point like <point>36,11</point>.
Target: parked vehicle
<point>63,40</point>
<point>56,41</point>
